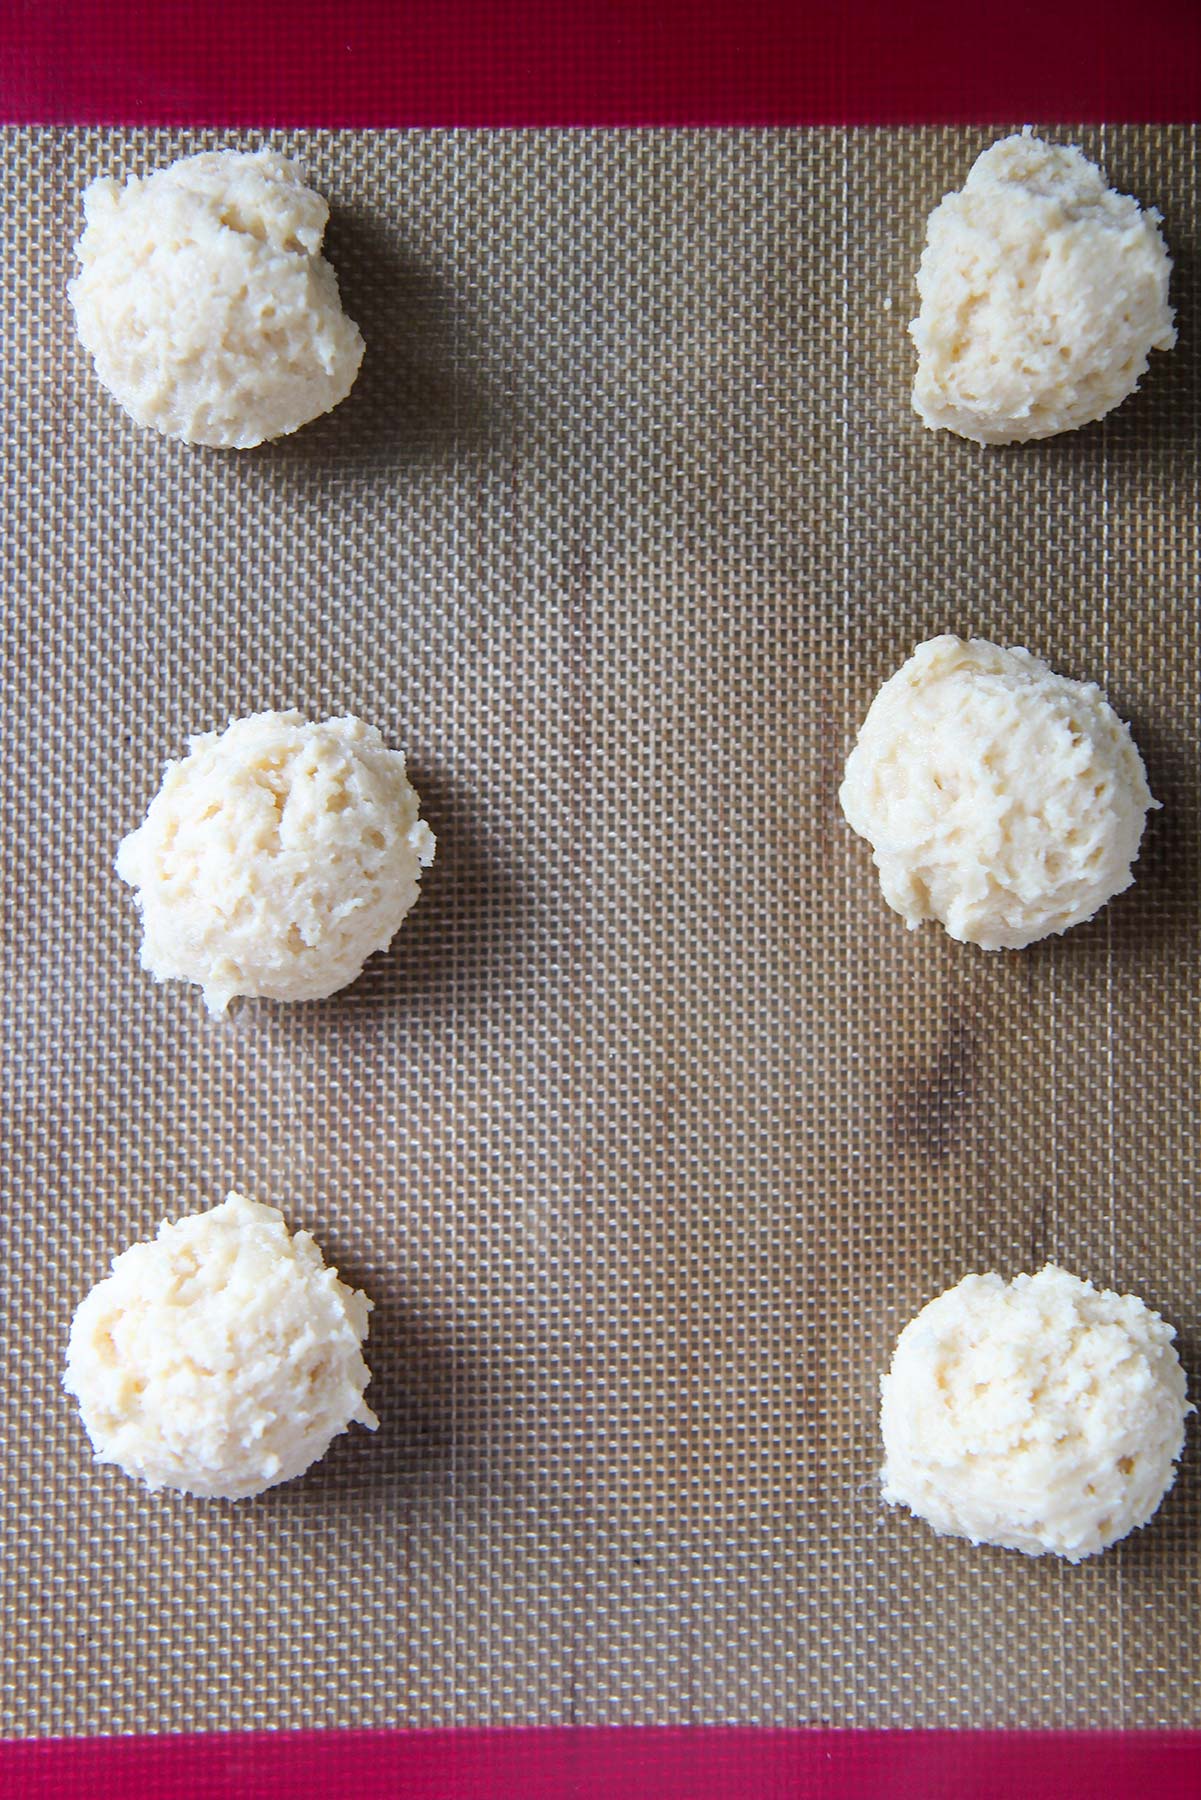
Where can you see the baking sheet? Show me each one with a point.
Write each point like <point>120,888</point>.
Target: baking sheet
<point>654,1126</point>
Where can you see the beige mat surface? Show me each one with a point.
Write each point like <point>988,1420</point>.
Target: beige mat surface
<point>655,1125</point>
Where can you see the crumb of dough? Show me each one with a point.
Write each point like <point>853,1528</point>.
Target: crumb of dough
<point>276,857</point>
<point>1043,293</point>
<point>1040,1414</point>
<point>220,1358</point>
<point>999,798</point>
<point>205,302</point>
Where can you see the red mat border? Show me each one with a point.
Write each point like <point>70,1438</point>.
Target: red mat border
<point>701,1763</point>
<point>427,63</point>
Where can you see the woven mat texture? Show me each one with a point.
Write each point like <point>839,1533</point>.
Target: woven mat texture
<point>655,1126</point>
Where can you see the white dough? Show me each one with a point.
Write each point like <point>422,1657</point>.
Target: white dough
<point>1043,293</point>
<point>220,1358</point>
<point>1000,798</point>
<point>1038,1414</point>
<point>275,858</point>
<point>206,304</point>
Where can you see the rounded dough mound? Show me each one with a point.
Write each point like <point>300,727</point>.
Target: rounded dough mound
<point>206,304</point>
<point>275,858</point>
<point>1037,1414</point>
<point>220,1358</point>
<point>1043,293</point>
<point>1000,798</point>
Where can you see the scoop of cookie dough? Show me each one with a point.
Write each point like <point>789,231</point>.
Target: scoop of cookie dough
<point>276,857</point>
<point>1043,293</point>
<point>206,304</point>
<point>220,1358</point>
<point>1038,1414</point>
<point>1000,798</point>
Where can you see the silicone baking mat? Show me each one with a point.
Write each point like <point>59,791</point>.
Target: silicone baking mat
<point>654,1126</point>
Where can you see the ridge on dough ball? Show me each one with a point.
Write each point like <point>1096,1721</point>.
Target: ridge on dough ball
<point>1038,1415</point>
<point>276,857</point>
<point>220,1358</point>
<point>1043,293</point>
<point>205,303</point>
<point>1000,798</point>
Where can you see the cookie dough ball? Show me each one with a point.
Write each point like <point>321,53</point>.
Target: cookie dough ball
<point>206,304</point>
<point>276,857</point>
<point>1043,293</point>
<point>222,1357</point>
<point>1000,798</point>
<point>1037,1414</point>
